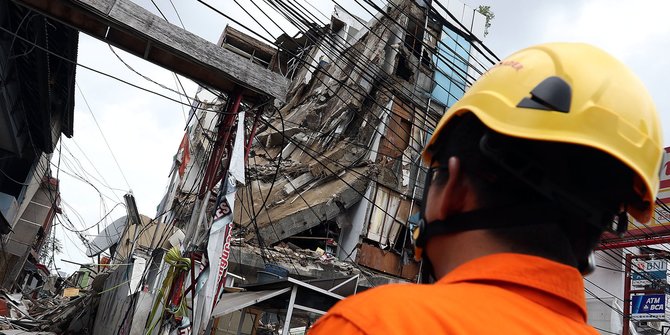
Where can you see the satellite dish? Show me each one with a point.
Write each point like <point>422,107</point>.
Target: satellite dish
<point>108,237</point>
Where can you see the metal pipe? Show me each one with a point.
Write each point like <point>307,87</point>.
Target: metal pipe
<point>247,149</point>
<point>634,243</point>
<point>241,323</point>
<point>222,138</point>
<point>198,223</point>
<point>289,310</point>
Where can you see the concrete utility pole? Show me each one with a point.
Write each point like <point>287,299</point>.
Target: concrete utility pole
<point>136,30</point>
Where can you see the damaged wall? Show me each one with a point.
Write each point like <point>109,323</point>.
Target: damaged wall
<point>330,123</point>
<point>350,151</point>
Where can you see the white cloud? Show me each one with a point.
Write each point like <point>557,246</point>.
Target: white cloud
<point>635,32</point>
<point>624,28</point>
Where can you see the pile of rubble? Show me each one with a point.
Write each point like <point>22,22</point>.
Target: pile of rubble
<point>69,313</point>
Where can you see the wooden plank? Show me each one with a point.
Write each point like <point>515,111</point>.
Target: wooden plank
<point>129,26</point>
<point>236,36</point>
<point>402,110</point>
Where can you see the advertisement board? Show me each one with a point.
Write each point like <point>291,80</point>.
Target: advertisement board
<point>643,272</point>
<point>659,226</point>
<point>648,307</point>
<point>661,216</point>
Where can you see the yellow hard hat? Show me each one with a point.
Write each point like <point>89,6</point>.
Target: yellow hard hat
<point>571,93</point>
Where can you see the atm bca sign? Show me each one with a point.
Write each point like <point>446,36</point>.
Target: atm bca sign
<point>648,307</point>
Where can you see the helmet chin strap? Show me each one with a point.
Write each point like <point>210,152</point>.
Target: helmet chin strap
<point>508,216</point>
<point>587,268</point>
<point>557,207</point>
<point>492,218</point>
<point>488,218</point>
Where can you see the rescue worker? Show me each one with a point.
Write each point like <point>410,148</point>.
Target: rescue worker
<point>546,151</point>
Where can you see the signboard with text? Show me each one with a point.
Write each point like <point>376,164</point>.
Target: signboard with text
<point>644,272</point>
<point>661,216</point>
<point>658,226</point>
<point>648,307</point>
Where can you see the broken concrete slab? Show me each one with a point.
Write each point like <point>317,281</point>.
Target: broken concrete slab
<point>297,183</point>
<point>313,206</point>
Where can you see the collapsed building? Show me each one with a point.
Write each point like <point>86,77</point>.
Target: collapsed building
<point>338,166</point>
<point>328,183</point>
<point>276,208</point>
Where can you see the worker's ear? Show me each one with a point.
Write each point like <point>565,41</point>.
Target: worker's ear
<point>455,196</point>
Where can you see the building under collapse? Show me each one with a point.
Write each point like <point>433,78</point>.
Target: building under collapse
<point>277,205</point>
<point>332,184</point>
<point>287,204</point>
<point>338,168</point>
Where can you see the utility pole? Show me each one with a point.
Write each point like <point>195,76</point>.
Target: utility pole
<point>212,173</point>
<point>626,296</point>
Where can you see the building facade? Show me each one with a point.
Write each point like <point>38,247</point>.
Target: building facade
<point>36,107</point>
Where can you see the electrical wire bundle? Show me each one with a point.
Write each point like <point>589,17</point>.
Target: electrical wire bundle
<point>354,65</point>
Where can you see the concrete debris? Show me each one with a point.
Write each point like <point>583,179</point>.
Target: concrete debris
<point>342,132</point>
<point>266,171</point>
<point>246,259</point>
<point>330,192</point>
<point>48,315</point>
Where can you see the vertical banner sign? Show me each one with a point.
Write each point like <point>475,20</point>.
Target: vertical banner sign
<point>646,271</point>
<point>224,214</point>
<point>221,233</point>
<point>648,307</point>
<point>225,201</point>
<point>184,155</point>
<point>218,251</point>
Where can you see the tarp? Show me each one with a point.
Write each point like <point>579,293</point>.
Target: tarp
<point>237,168</point>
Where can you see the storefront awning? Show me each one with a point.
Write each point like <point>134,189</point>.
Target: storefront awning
<point>236,301</point>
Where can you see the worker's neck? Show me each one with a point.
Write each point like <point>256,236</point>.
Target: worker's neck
<point>450,251</point>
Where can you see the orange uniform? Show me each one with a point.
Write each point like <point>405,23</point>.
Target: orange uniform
<point>497,294</point>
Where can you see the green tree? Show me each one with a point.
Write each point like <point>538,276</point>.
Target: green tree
<point>488,14</point>
<point>52,246</point>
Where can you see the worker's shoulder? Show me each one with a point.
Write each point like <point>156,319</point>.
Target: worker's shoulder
<point>399,298</point>
<point>385,308</point>
<point>388,293</point>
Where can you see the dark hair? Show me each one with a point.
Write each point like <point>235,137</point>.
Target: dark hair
<point>594,176</point>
